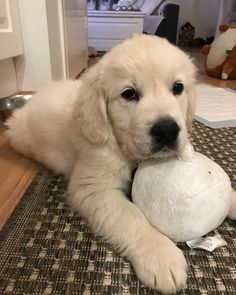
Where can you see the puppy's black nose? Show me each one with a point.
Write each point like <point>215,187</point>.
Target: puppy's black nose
<point>165,131</point>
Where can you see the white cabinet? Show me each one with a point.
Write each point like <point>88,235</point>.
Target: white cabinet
<point>108,28</point>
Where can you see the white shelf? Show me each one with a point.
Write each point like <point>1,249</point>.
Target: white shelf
<point>114,13</point>
<point>108,28</point>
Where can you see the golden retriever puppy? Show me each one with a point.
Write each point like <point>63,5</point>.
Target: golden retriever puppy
<point>136,103</point>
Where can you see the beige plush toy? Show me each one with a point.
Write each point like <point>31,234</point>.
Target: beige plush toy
<point>221,54</point>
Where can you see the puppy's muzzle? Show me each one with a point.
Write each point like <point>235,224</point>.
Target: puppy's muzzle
<point>164,134</point>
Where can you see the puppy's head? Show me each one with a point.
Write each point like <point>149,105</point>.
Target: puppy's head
<point>142,93</point>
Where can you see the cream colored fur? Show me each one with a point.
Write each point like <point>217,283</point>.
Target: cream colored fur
<point>87,131</point>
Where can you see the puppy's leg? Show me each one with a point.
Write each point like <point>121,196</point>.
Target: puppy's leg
<point>157,262</point>
<point>232,208</point>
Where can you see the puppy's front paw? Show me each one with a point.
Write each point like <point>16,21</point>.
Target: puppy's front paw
<point>159,264</point>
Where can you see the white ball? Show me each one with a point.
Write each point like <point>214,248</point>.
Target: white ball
<point>183,199</point>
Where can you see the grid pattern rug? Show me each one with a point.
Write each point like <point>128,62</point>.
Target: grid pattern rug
<point>47,249</point>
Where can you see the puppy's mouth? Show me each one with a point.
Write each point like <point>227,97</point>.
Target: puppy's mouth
<point>158,151</point>
<point>165,148</point>
<point>165,151</point>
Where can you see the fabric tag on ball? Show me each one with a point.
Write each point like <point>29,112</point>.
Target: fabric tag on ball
<point>207,243</point>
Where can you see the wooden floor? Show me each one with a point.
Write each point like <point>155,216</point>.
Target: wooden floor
<point>16,171</point>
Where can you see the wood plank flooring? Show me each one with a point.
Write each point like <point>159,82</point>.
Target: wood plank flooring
<point>16,171</point>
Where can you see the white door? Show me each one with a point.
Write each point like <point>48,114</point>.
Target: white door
<point>76,36</point>
<point>10,35</point>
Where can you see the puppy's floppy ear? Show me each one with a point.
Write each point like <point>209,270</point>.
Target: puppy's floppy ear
<point>90,110</point>
<point>191,106</point>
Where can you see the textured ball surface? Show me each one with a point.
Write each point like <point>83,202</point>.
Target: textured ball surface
<point>184,199</point>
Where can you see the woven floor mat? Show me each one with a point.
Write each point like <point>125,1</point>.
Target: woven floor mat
<point>47,249</point>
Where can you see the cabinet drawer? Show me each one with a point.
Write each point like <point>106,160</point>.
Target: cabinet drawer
<point>105,31</point>
<point>112,30</point>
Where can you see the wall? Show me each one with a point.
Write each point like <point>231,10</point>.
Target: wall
<point>8,85</point>
<point>229,10</point>
<point>202,14</point>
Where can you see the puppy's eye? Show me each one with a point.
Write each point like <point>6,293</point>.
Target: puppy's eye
<point>178,88</point>
<point>130,94</point>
